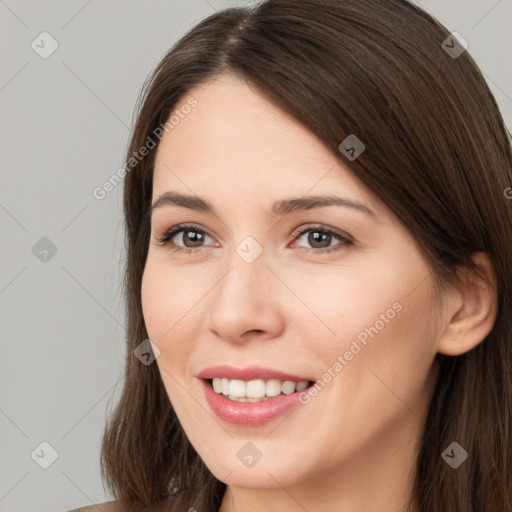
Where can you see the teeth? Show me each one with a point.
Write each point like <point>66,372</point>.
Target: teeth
<point>301,385</point>
<point>255,390</point>
<point>236,388</point>
<point>217,385</point>
<point>238,398</point>
<point>288,387</point>
<point>273,387</point>
<point>224,386</point>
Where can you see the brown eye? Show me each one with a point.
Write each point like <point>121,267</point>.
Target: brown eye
<point>320,238</point>
<point>188,237</point>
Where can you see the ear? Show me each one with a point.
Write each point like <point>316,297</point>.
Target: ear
<point>471,310</point>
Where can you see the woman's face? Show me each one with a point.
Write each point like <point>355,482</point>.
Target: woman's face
<point>347,303</point>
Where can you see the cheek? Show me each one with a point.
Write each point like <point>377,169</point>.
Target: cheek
<point>384,382</point>
<point>351,302</point>
<point>378,322</point>
<point>390,374</point>
<point>161,312</point>
<point>166,298</point>
<point>154,300</point>
<point>173,314</point>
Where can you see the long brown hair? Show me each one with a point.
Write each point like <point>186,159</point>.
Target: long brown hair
<point>437,153</point>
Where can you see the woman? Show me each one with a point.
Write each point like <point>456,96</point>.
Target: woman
<point>318,248</point>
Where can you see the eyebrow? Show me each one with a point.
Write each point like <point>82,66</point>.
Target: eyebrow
<point>282,207</point>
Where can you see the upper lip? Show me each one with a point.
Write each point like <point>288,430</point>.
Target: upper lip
<point>249,373</point>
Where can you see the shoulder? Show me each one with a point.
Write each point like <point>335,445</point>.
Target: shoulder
<point>116,506</point>
<point>108,506</point>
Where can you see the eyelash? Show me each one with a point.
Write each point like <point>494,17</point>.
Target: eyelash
<point>166,237</point>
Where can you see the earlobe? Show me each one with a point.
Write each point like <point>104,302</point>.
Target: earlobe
<point>472,309</point>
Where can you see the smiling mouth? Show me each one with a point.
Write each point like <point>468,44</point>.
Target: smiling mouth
<point>257,390</point>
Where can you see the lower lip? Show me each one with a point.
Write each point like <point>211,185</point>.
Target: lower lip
<point>249,414</point>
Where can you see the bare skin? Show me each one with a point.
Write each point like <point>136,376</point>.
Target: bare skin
<point>108,506</point>
<point>353,447</point>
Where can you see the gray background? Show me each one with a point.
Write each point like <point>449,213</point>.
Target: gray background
<point>65,124</point>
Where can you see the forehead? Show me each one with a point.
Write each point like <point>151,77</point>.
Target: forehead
<point>235,142</point>
<point>233,121</point>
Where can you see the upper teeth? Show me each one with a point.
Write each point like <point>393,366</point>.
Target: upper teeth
<point>255,389</point>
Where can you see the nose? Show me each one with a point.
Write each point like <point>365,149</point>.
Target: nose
<point>246,301</point>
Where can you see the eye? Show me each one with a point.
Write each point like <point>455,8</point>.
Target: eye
<point>190,235</point>
<point>193,238</point>
<point>321,237</point>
